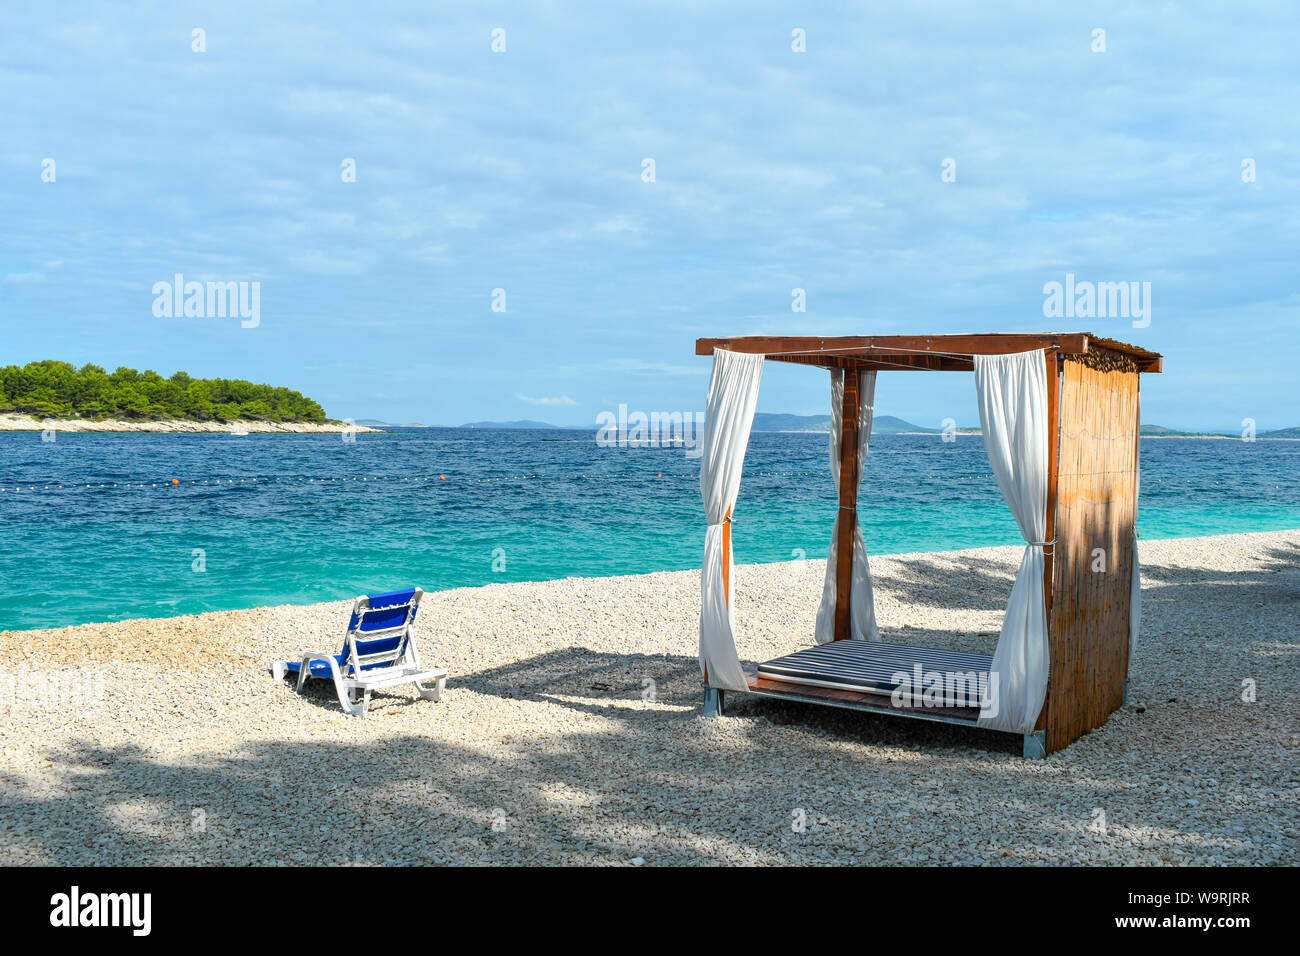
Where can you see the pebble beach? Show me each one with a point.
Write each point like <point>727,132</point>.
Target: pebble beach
<point>569,733</point>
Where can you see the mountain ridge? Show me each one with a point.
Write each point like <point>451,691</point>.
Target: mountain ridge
<point>880,425</point>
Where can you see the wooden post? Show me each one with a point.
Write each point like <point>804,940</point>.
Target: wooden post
<point>1137,480</point>
<point>1053,467</point>
<point>1053,470</point>
<point>726,592</point>
<point>726,557</point>
<point>848,504</point>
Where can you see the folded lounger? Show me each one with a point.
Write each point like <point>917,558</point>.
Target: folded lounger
<point>378,651</point>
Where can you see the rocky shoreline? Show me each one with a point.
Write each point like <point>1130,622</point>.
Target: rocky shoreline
<point>27,423</point>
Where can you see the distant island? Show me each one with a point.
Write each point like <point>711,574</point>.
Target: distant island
<point>521,423</point>
<point>763,422</point>
<point>1159,431</point>
<point>890,425</point>
<point>880,425</point>
<point>57,394</point>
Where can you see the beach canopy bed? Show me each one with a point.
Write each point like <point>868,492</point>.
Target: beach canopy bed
<point>1059,417</point>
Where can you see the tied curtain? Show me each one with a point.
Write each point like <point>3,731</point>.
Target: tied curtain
<point>733,393</point>
<point>1012,394</point>
<point>862,605</point>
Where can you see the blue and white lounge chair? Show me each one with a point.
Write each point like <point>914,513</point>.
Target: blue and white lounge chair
<point>378,651</point>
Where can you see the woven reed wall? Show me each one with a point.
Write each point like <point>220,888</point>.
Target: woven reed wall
<point>1094,510</point>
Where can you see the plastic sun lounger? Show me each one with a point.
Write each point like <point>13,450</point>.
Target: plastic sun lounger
<point>378,651</point>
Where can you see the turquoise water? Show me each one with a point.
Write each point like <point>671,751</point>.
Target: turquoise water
<point>304,518</point>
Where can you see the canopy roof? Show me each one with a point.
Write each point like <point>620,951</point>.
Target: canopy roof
<point>934,352</point>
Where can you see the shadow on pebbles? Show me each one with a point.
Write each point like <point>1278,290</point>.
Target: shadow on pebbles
<point>570,733</point>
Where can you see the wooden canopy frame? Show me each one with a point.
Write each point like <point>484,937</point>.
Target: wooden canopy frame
<point>1102,378</point>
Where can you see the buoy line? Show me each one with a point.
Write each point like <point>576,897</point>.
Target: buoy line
<point>172,483</point>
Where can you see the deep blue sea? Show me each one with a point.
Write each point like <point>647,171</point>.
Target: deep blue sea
<point>273,519</point>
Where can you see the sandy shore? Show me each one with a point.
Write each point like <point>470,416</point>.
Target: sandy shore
<point>569,733</point>
<point>26,423</point>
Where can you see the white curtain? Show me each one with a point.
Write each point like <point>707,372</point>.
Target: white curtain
<point>733,393</point>
<point>1012,394</point>
<point>1135,595</point>
<point>862,602</point>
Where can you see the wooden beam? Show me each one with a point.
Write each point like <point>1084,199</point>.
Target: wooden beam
<point>977,344</point>
<point>867,347</point>
<point>848,506</point>
<point>1147,361</point>
<point>819,361</point>
<point>881,361</point>
<point>859,701</point>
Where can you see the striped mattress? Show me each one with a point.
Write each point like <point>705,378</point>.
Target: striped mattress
<point>870,667</point>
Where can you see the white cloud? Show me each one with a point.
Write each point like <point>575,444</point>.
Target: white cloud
<point>557,400</point>
<point>774,171</point>
<point>616,226</point>
<point>434,253</point>
<point>327,264</point>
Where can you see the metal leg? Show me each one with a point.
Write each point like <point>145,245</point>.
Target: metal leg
<point>1036,745</point>
<point>434,692</point>
<point>348,699</point>
<point>712,702</point>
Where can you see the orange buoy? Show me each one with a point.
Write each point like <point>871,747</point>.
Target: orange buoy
<point>661,474</point>
<point>442,477</point>
<point>176,481</point>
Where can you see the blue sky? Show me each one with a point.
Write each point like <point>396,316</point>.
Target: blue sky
<point>522,170</point>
